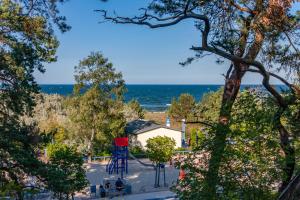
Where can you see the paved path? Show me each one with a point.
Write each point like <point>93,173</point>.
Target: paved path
<point>163,195</point>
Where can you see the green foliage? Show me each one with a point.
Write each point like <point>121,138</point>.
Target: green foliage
<point>135,105</point>
<point>183,107</point>
<point>291,120</point>
<point>137,150</point>
<point>252,159</point>
<point>208,109</point>
<point>195,133</point>
<point>133,110</point>
<point>160,149</point>
<point>27,42</point>
<point>103,153</point>
<point>9,189</point>
<point>96,72</point>
<point>67,175</point>
<point>180,149</point>
<point>19,157</point>
<point>253,153</point>
<point>96,105</point>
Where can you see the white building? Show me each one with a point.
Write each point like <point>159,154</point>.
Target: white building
<point>139,131</point>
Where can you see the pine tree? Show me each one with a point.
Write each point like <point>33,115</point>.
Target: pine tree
<point>97,102</point>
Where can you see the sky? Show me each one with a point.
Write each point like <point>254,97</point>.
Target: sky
<point>143,55</point>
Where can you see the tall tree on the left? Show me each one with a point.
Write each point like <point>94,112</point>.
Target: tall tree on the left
<point>27,41</point>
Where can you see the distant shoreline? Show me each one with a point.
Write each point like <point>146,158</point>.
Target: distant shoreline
<point>69,84</point>
<point>154,97</point>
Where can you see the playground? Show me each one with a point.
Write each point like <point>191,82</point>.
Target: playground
<point>139,174</point>
<point>140,177</point>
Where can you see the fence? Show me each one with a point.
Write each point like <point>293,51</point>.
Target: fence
<point>106,158</point>
<point>101,158</point>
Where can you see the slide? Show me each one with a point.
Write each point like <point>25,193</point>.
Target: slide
<point>142,163</point>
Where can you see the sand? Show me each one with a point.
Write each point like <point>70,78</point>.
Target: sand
<point>141,179</point>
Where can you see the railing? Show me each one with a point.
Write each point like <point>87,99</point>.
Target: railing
<point>139,155</point>
<point>102,158</point>
<point>106,158</point>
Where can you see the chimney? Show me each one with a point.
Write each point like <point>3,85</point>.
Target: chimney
<point>168,122</point>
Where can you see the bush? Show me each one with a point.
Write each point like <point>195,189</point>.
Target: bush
<point>252,158</point>
<point>104,153</point>
<point>137,150</point>
<point>180,149</point>
<point>194,134</point>
<point>182,108</point>
<point>160,149</point>
<point>66,175</point>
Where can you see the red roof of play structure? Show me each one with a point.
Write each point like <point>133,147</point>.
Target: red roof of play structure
<point>121,142</point>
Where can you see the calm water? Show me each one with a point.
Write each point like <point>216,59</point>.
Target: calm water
<point>151,97</point>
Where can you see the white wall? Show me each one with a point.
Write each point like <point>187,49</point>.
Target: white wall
<point>143,137</point>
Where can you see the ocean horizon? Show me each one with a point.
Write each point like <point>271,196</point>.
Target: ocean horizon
<point>152,97</point>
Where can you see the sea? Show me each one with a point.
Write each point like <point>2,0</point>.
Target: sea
<point>154,98</point>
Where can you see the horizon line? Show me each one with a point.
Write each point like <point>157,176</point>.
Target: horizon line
<point>217,84</point>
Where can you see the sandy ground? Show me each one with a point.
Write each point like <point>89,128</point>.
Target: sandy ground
<point>140,177</point>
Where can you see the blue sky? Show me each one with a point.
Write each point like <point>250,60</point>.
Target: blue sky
<point>143,55</point>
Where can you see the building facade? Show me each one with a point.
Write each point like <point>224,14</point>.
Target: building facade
<point>139,131</point>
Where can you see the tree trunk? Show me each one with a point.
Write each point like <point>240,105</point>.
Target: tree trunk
<point>291,192</point>
<point>156,176</point>
<point>287,147</point>
<point>20,195</point>
<point>231,89</point>
<point>90,146</point>
<point>289,153</point>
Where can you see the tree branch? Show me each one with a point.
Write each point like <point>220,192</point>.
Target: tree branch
<point>168,21</point>
<point>229,71</point>
<point>187,6</point>
<point>291,42</point>
<point>199,122</point>
<point>275,76</point>
<point>247,60</point>
<point>250,62</point>
<point>240,8</point>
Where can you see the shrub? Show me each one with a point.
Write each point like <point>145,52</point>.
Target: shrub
<point>183,107</point>
<point>137,150</point>
<point>180,149</point>
<point>194,133</point>
<point>160,149</point>
<point>67,174</point>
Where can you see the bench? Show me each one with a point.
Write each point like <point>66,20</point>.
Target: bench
<point>112,190</point>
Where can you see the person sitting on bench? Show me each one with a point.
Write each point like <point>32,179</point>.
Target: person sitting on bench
<point>107,185</point>
<point>119,185</point>
<point>102,192</point>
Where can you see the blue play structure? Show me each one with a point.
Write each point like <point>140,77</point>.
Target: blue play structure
<point>118,162</point>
